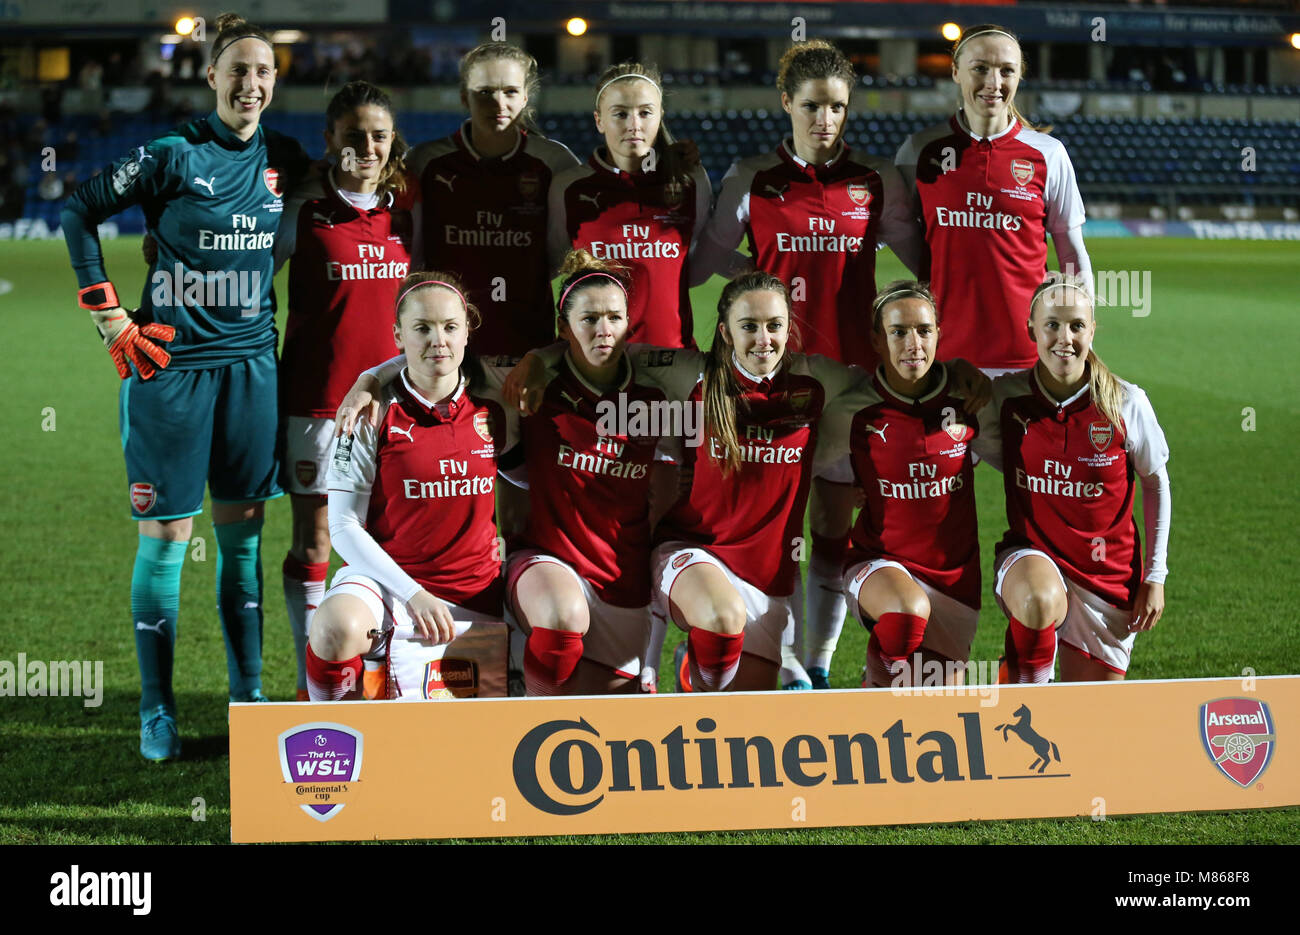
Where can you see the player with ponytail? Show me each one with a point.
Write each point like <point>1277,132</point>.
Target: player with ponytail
<point>1073,440</point>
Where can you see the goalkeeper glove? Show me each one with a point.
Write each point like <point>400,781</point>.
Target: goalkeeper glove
<point>127,342</point>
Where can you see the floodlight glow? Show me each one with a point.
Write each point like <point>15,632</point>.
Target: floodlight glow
<point>185,25</point>
<point>1295,40</point>
<point>951,31</point>
<point>576,26</point>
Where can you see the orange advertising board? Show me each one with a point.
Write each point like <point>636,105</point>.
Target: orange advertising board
<point>503,767</point>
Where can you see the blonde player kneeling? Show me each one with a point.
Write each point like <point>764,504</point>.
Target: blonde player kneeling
<point>1070,437</point>
<point>411,503</point>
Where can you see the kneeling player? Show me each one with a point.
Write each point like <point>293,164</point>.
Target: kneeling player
<point>1070,437</point>
<point>411,501</point>
<point>912,575</point>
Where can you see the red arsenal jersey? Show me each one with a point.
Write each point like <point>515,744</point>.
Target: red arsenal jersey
<point>987,206</point>
<point>485,219</point>
<point>347,265</point>
<point>430,472</point>
<point>1069,479</point>
<point>643,222</point>
<point>817,228</point>
<point>752,518</point>
<point>912,460</point>
<point>589,483</point>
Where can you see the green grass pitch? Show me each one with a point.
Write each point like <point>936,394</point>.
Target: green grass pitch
<point>1216,355</point>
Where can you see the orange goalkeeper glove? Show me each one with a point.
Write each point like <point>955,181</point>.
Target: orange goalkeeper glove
<point>127,342</point>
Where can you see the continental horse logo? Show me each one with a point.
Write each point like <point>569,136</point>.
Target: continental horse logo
<point>1044,748</point>
<point>1239,737</point>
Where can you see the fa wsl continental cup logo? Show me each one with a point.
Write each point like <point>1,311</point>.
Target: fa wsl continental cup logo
<point>1239,737</point>
<point>320,760</point>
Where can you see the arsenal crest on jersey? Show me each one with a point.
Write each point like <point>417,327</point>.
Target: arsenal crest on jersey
<point>272,179</point>
<point>957,431</point>
<point>1101,434</point>
<point>681,560</point>
<point>859,193</point>
<point>1022,170</point>
<point>673,194</point>
<point>800,399</point>
<point>305,471</point>
<point>143,497</point>
<point>1238,736</point>
<point>530,186</point>
<point>483,425</point>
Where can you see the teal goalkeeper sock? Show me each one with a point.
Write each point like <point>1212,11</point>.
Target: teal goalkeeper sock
<point>239,602</point>
<point>155,605</point>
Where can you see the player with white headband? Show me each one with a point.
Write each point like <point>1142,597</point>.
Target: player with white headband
<point>640,201</point>
<point>1071,439</point>
<point>989,187</point>
<point>202,344</point>
<point>411,500</point>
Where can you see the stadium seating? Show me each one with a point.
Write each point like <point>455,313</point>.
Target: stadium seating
<point>1128,160</point>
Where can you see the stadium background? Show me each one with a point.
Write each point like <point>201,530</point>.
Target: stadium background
<point>1183,126</point>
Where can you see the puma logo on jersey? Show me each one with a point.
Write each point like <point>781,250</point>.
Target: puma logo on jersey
<point>400,431</point>
<point>1024,422</point>
<point>571,399</point>
<point>327,218</point>
<point>779,192</point>
<point>594,199</point>
<point>144,155</point>
<point>445,181</point>
<point>879,431</point>
<point>207,184</point>
<point>157,627</point>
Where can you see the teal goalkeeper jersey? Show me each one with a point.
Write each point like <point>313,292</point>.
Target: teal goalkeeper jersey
<point>213,204</point>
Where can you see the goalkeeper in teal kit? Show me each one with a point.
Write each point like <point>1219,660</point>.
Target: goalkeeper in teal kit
<point>198,396</point>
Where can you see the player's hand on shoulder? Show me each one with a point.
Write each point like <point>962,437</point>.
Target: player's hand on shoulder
<point>688,152</point>
<point>432,618</point>
<point>1147,607</point>
<point>362,398</point>
<point>969,382</point>
<point>525,385</point>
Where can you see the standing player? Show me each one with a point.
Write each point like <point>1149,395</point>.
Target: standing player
<point>989,188</point>
<point>912,575</point>
<point>484,203</point>
<point>640,202</point>
<point>411,504</point>
<point>349,233</point>
<point>578,580</point>
<point>813,211</point>
<point>212,193</point>
<point>722,568</point>
<point>1070,437</point>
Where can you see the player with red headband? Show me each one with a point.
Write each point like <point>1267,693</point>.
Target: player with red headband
<point>912,574</point>
<point>349,232</point>
<point>989,187</point>
<point>640,202</point>
<point>411,502</point>
<point>813,212</point>
<point>484,206</point>
<point>1071,439</point>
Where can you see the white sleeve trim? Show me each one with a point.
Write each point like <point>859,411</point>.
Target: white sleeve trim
<point>725,229</point>
<point>1155,521</point>
<point>1072,255</point>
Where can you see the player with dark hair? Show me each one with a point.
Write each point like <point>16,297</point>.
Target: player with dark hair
<point>813,211</point>
<point>988,188</point>
<point>203,407</point>
<point>912,573</point>
<point>1071,439</point>
<point>640,201</point>
<point>349,231</point>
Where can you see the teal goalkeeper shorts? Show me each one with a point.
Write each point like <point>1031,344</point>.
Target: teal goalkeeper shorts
<point>183,429</point>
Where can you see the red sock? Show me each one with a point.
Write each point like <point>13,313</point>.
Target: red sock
<point>550,656</point>
<point>716,655</point>
<point>333,681</point>
<point>878,674</point>
<point>1031,654</point>
<point>899,635</point>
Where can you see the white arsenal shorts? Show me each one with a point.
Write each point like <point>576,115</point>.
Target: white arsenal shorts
<point>1092,627</point>
<point>307,444</point>
<point>470,665</point>
<point>951,627</point>
<point>616,636</point>
<point>765,616</point>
